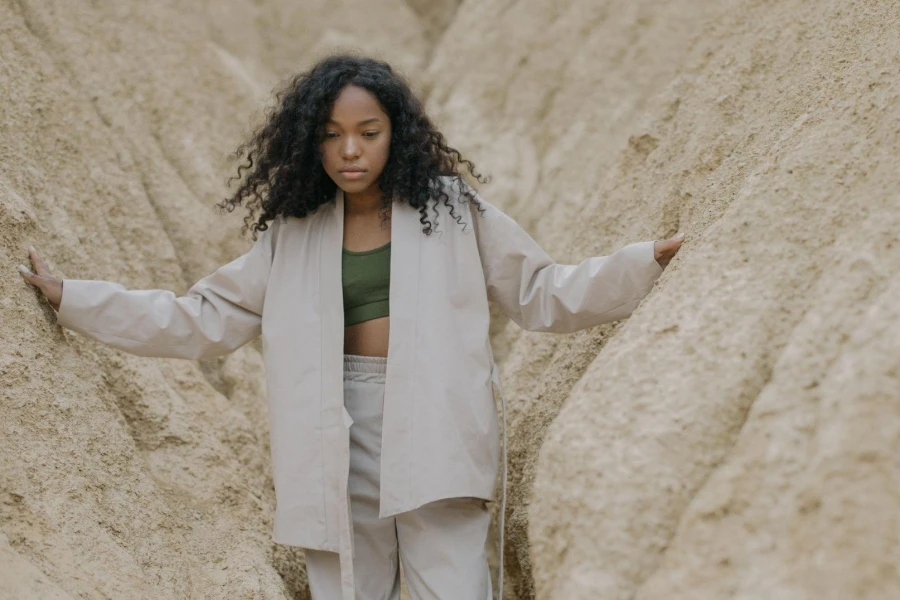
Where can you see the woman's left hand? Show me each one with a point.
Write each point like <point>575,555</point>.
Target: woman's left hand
<point>665,250</point>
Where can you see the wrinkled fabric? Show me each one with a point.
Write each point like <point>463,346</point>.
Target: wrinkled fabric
<point>441,544</point>
<point>287,288</point>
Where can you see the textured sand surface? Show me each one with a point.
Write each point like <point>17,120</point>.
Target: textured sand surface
<point>738,437</point>
<point>123,477</point>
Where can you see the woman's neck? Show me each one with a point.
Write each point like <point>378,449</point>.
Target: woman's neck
<point>362,203</point>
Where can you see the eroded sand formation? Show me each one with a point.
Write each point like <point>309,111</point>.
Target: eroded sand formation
<point>122,477</point>
<point>738,437</point>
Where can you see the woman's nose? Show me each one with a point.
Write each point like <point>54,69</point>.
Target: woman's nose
<point>350,148</point>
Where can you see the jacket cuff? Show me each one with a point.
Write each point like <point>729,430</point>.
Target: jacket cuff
<point>642,258</point>
<point>72,293</point>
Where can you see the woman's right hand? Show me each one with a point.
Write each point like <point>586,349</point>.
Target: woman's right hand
<point>50,286</point>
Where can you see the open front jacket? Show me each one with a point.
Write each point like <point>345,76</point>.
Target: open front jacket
<point>440,430</point>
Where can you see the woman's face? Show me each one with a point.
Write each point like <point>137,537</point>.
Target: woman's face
<point>357,140</point>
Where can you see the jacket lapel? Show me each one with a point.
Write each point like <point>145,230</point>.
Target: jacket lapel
<point>400,381</point>
<point>406,237</point>
<point>331,305</point>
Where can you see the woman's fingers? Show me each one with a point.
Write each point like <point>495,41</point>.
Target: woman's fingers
<point>33,278</point>
<point>666,249</point>
<point>675,243</point>
<point>40,267</point>
<point>27,274</point>
<point>50,286</point>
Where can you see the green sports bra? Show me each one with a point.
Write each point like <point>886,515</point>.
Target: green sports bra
<point>366,279</point>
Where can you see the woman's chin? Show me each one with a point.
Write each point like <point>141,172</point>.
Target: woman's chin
<point>353,187</point>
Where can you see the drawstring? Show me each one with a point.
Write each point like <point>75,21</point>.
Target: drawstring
<point>495,377</point>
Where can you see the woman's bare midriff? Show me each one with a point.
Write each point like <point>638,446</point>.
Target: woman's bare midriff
<point>369,338</point>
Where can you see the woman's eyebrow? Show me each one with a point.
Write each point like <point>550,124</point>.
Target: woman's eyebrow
<point>363,122</point>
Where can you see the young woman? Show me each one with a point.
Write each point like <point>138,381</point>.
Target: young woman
<point>369,282</point>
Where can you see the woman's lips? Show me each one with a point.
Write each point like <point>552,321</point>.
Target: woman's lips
<point>353,174</point>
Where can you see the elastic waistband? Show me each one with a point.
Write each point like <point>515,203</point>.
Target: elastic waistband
<point>365,368</point>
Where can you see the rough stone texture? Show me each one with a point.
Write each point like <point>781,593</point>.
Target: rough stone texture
<point>738,437</point>
<point>436,15</point>
<point>123,477</point>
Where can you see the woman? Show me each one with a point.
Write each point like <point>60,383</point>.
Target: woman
<point>379,370</point>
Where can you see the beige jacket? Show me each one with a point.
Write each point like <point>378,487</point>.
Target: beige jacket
<point>440,431</point>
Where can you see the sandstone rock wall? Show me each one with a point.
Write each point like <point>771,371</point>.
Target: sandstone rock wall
<point>123,477</point>
<point>738,436</point>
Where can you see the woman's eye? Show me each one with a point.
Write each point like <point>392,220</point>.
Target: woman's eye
<point>330,134</point>
<point>371,133</point>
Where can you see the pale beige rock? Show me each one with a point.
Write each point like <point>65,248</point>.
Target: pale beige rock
<point>21,580</point>
<point>769,133</point>
<point>123,477</point>
<point>436,15</point>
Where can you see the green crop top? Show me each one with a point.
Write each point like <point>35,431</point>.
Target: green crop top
<point>366,279</point>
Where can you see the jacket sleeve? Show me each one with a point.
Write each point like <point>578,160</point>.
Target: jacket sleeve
<point>541,295</point>
<point>217,315</point>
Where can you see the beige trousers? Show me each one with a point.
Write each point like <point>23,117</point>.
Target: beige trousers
<point>441,544</point>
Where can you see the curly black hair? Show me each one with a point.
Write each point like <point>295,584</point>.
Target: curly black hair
<point>283,162</point>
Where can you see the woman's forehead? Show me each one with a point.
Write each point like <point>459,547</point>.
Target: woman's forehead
<point>356,106</point>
